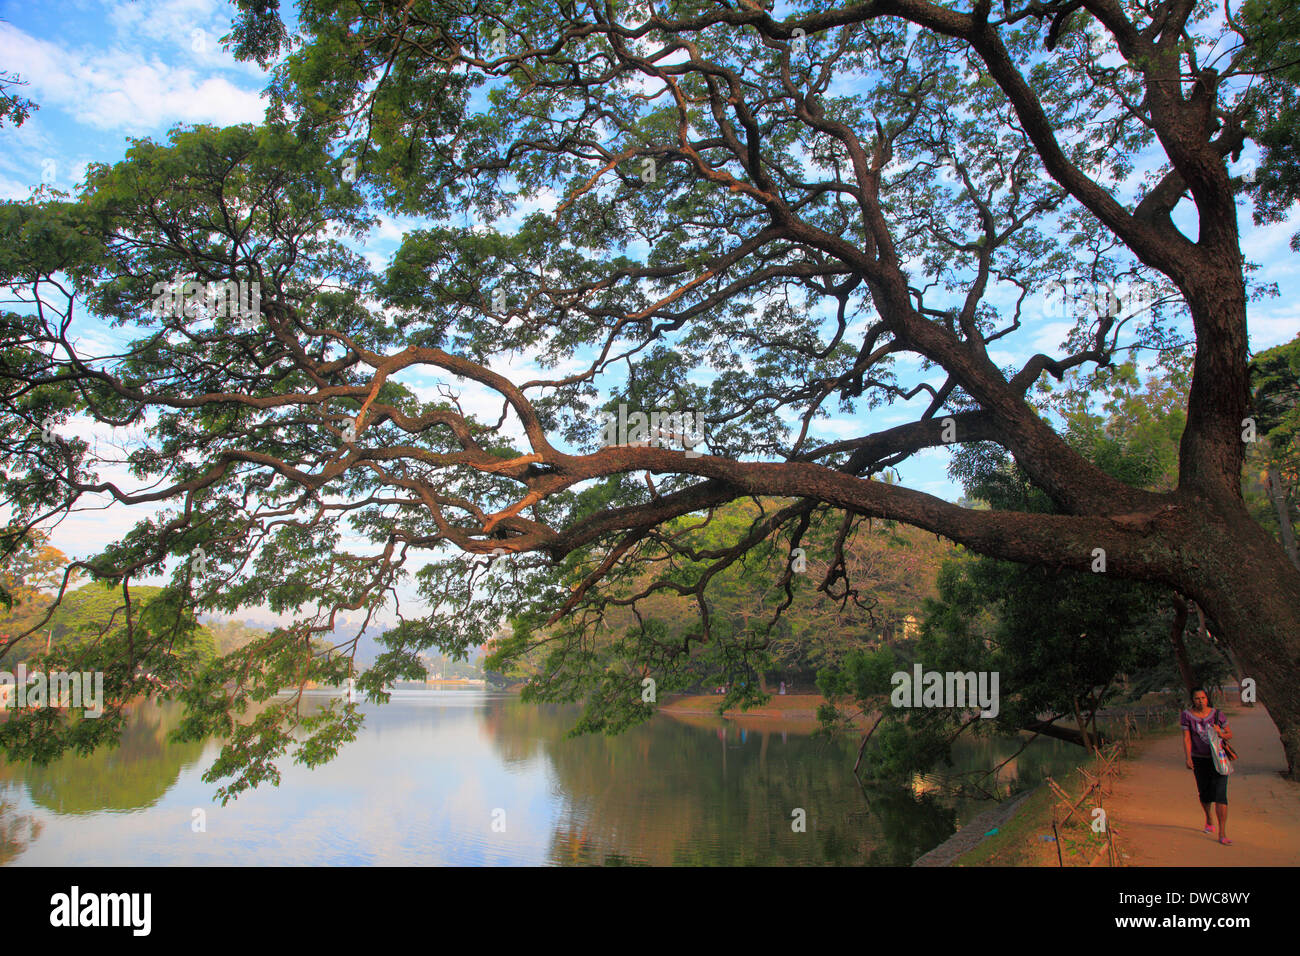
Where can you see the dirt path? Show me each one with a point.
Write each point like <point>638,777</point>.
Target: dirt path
<point>1158,819</point>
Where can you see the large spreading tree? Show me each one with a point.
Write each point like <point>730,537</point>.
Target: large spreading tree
<point>800,223</point>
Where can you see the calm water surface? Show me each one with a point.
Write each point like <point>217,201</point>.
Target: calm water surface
<point>432,770</point>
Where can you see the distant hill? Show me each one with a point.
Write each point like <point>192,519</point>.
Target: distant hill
<point>234,633</point>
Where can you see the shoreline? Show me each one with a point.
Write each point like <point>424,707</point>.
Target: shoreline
<point>976,831</point>
<point>792,707</point>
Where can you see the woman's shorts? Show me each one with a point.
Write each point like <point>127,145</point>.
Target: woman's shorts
<point>1210,784</point>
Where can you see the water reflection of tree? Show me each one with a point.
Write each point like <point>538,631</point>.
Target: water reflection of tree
<point>17,830</point>
<point>518,731</point>
<point>670,794</point>
<point>129,777</point>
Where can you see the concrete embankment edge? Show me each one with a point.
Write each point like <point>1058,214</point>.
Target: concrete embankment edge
<point>974,832</point>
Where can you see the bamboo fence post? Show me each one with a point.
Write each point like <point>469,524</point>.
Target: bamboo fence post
<point>1060,860</point>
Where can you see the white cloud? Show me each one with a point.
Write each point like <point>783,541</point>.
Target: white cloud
<point>14,188</point>
<point>1270,242</point>
<point>393,228</point>
<point>1048,336</point>
<point>124,89</point>
<point>1270,326</point>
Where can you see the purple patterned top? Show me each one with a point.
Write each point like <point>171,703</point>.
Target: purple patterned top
<point>1200,728</point>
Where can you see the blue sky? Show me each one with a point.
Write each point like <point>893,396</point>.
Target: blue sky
<point>102,72</point>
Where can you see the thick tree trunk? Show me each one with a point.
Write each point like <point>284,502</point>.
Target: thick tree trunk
<point>1180,649</point>
<point>1243,580</point>
<point>1228,564</point>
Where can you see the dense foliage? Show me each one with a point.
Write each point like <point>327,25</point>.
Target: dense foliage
<point>829,233</point>
<point>1064,643</point>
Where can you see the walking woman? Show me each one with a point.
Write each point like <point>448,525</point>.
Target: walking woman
<point>1211,786</point>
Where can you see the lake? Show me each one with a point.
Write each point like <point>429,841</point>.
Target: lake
<point>467,777</point>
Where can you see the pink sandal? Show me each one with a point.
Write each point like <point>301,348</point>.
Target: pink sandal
<point>1225,842</point>
<point>1209,828</point>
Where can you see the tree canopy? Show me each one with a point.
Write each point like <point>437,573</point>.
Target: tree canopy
<point>1065,643</point>
<point>834,237</point>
